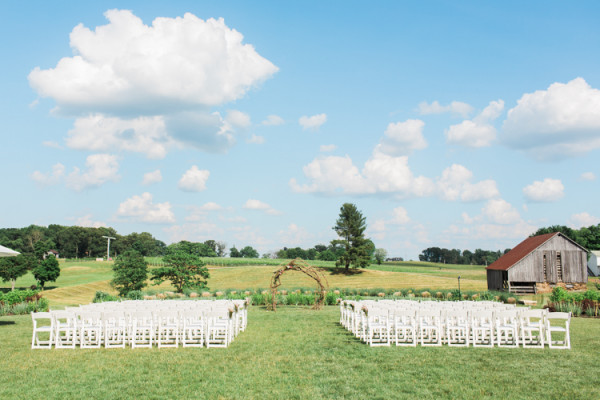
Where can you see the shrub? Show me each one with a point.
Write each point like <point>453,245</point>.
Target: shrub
<point>559,294</point>
<point>101,297</point>
<point>425,294</point>
<point>331,299</point>
<point>135,295</point>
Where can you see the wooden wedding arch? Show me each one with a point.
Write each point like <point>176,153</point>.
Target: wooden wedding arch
<point>300,265</point>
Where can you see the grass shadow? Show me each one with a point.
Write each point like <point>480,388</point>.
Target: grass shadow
<point>345,272</point>
<point>7,323</point>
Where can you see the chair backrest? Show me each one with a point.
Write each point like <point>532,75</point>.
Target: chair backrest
<point>559,315</point>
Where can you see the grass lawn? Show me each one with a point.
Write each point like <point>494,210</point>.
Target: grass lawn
<point>298,353</point>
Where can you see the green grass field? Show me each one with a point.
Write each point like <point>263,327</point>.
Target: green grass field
<point>79,281</point>
<point>298,353</point>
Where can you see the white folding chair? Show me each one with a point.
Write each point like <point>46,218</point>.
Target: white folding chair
<point>218,328</point>
<point>405,327</point>
<point>167,329</point>
<point>115,329</point>
<point>430,327</point>
<point>507,328</point>
<point>90,329</point>
<point>482,328</point>
<point>532,323</point>
<point>194,328</point>
<point>47,330</point>
<point>559,323</point>
<point>141,332</point>
<point>378,327</point>
<point>457,327</point>
<point>65,329</point>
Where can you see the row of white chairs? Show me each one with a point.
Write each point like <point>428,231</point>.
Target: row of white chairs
<point>430,323</point>
<point>143,323</point>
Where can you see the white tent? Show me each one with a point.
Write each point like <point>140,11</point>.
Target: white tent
<point>594,263</point>
<point>6,252</point>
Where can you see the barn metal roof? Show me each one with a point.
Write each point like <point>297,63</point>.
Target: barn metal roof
<point>520,251</point>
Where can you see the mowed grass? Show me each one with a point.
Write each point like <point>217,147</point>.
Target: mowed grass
<point>79,281</point>
<point>298,353</point>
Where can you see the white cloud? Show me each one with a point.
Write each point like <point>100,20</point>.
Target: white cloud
<point>255,139</point>
<point>455,183</point>
<point>142,209</point>
<point>380,174</point>
<point>140,88</point>
<point>100,168</point>
<point>86,222</point>
<point>196,231</point>
<point>194,180</point>
<point>238,118</point>
<point>583,220</point>
<point>253,204</point>
<point>53,178</point>
<point>152,177</point>
<point>294,236</point>
<point>588,176</point>
<point>559,122</point>
<point>127,65</point>
<point>312,122</point>
<point>97,132</point>
<point>273,120</point>
<point>500,211</point>
<point>400,216</point>
<point>455,107</point>
<point>51,144</point>
<point>211,206</point>
<point>196,213</point>
<point>477,132</point>
<point>327,148</point>
<point>402,138</point>
<point>547,190</point>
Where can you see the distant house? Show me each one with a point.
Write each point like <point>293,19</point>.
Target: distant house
<point>540,263</point>
<point>51,253</point>
<point>594,263</point>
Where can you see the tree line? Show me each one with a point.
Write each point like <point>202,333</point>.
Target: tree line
<point>456,256</point>
<point>587,237</point>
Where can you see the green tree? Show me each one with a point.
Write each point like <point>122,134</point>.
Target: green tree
<point>380,255</point>
<point>249,252</point>
<point>130,272</point>
<point>350,227</point>
<point>12,268</point>
<point>47,270</point>
<point>183,270</point>
<point>234,253</point>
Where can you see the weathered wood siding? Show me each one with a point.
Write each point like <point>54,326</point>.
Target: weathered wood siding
<point>494,279</point>
<point>574,266</point>
<point>531,267</point>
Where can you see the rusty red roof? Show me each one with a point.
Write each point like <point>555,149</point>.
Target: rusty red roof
<point>520,251</point>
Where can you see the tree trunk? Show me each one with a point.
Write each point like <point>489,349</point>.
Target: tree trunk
<point>12,283</point>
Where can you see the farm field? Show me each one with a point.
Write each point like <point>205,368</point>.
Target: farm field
<point>79,281</point>
<point>298,353</point>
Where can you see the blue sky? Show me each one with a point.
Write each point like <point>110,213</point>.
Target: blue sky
<point>453,124</point>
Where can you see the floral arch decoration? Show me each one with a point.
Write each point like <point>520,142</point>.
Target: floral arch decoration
<point>302,266</point>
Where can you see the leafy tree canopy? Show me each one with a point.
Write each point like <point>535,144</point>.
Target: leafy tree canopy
<point>183,270</point>
<point>47,270</point>
<point>130,272</point>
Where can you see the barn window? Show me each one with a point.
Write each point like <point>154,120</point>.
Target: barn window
<point>559,270</point>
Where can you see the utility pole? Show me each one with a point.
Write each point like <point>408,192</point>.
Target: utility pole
<point>108,246</point>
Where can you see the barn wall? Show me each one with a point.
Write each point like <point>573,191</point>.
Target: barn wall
<point>531,269</point>
<point>494,279</point>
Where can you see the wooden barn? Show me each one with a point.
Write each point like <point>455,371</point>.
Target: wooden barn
<point>538,264</point>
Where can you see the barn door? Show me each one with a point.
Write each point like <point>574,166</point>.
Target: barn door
<point>551,273</point>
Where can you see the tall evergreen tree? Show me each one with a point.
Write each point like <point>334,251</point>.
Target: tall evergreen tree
<point>350,227</point>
